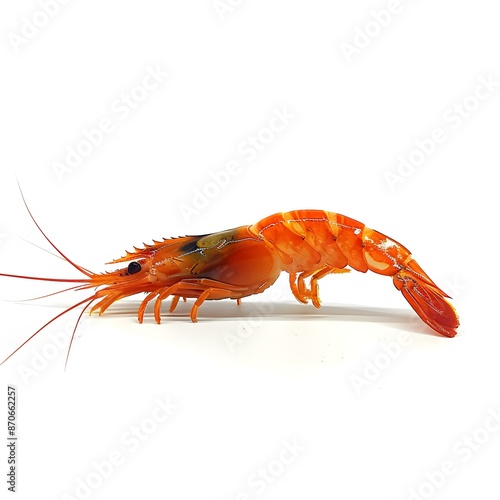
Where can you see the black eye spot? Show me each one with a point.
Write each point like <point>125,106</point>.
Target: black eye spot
<point>133,267</point>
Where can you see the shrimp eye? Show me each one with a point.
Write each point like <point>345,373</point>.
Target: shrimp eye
<point>133,267</point>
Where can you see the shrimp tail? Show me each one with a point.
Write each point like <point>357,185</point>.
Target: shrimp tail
<point>427,300</point>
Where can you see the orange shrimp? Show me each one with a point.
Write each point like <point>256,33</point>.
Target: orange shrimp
<point>246,260</point>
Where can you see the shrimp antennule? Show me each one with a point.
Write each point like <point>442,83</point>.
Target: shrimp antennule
<point>82,284</point>
<point>66,258</point>
<point>88,300</point>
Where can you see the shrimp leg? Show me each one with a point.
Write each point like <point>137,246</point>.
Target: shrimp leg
<point>300,290</point>
<point>201,289</point>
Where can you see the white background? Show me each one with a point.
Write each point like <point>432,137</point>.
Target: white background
<point>292,378</point>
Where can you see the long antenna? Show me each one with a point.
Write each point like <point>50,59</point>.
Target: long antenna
<point>74,331</point>
<point>88,299</point>
<point>76,266</point>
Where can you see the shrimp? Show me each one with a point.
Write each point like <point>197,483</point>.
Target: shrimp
<point>236,263</point>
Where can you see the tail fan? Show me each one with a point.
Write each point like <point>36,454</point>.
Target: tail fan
<point>427,300</point>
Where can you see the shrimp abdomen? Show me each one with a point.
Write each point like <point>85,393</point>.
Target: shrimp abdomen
<point>316,242</point>
<point>307,239</point>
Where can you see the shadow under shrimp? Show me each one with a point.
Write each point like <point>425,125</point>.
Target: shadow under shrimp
<point>277,311</point>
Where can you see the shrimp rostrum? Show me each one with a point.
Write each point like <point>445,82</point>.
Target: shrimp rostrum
<point>232,264</point>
